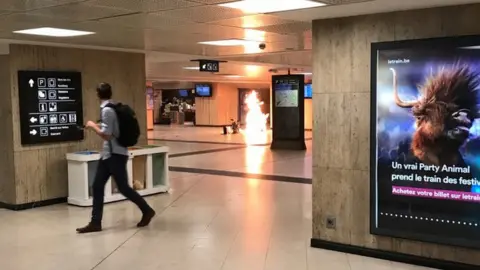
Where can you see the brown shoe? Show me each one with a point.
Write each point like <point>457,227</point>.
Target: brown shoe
<point>90,228</point>
<point>146,218</point>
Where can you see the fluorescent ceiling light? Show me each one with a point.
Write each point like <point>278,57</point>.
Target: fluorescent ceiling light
<point>53,32</point>
<point>192,68</point>
<point>267,6</point>
<point>233,76</point>
<point>306,73</point>
<point>230,42</point>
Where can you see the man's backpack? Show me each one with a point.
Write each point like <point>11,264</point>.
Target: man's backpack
<point>127,124</point>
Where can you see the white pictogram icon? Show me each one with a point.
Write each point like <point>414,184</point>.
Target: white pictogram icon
<point>43,119</point>
<point>63,118</point>
<point>53,119</point>
<point>42,82</point>
<point>72,118</point>
<point>44,132</point>
<point>52,94</point>
<point>52,106</point>
<point>42,107</point>
<point>52,83</point>
<point>42,94</point>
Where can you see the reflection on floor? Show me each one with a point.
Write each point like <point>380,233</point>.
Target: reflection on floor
<point>206,134</point>
<point>254,160</point>
<point>207,222</point>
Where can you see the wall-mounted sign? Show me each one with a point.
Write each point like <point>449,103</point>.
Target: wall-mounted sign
<point>50,106</point>
<point>209,66</point>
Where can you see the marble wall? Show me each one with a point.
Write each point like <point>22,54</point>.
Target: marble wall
<point>7,181</point>
<point>341,105</point>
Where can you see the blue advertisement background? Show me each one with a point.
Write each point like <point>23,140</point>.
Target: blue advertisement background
<point>396,125</point>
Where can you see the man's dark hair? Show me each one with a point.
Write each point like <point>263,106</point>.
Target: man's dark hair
<point>104,91</point>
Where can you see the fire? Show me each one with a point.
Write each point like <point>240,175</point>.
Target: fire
<point>256,120</point>
<point>255,132</point>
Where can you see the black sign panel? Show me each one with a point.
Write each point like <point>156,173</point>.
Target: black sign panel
<point>209,66</point>
<point>288,112</point>
<point>50,106</point>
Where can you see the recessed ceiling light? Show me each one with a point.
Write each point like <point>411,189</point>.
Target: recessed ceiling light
<point>192,68</point>
<point>230,42</point>
<point>267,6</point>
<point>53,32</point>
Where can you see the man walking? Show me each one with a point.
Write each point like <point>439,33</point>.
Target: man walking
<point>113,163</point>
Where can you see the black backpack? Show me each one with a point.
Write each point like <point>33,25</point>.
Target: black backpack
<point>127,124</point>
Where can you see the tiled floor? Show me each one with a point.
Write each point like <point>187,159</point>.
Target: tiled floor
<point>186,147</point>
<point>253,159</point>
<point>206,134</point>
<point>207,222</point>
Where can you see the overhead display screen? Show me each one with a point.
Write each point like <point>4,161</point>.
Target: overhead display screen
<point>203,90</point>
<point>308,90</point>
<point>50,107</point>
<point>425,140</point>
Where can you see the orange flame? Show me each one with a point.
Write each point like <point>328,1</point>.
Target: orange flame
<point>256,120</point>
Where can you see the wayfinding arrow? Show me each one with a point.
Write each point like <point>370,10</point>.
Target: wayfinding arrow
<point>33,132</point>
<point>33,120</point>
<point>31,82</point>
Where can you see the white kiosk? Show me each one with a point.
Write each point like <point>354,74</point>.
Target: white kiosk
<point>147,169</point>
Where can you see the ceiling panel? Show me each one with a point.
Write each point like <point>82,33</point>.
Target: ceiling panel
<point>173,26</point>
<point>342,2</point>
<point>79,12</point>
<point>23,5</point>
<point>147,21</point>
<point>212,2</point>
<point>112,39</point>
<point>143,5</point>
<point>20,21</point>
<point>161,57</point>
<point>269,48</point>
<point>253,21</point>
<point>296,58</point>
<point>350,8</point>
<point>178,28</point>
<point>204,13</point>
<point>290,28</point>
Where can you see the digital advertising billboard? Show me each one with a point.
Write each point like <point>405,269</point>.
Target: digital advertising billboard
<point>425,140</point>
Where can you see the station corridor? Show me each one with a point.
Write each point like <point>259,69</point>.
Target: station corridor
<point>231,207</point>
